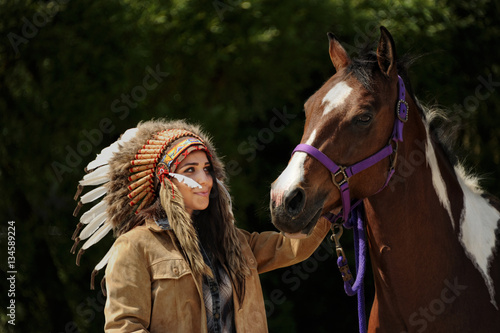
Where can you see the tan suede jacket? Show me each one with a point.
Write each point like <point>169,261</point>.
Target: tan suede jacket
<point>150,287</point>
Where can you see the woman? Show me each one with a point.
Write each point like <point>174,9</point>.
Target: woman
<point>179,264</point>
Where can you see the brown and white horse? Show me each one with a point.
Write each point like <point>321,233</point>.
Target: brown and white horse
<point>433,233</point>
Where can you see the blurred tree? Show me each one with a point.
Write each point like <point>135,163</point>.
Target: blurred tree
<point>74,75</point>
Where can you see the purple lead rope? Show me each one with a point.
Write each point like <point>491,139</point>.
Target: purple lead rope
<point>354,286</point>
<point>356,222</point>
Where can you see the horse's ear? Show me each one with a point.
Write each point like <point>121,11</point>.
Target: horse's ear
<point>338,55</point>
<point>386,53</point>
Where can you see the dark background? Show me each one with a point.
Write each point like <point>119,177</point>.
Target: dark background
<point>74,75</point>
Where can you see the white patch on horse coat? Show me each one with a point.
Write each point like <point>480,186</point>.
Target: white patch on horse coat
<point>336,96</point>
<point>292,175</point>
<point>478,220</point>
<point>437,179</point>
<point>478,224</point>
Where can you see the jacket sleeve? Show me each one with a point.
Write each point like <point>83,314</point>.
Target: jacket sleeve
<point>273,250</point>
<point>128,287</point>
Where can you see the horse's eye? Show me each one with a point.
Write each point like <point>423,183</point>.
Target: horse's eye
<point>364,119</point>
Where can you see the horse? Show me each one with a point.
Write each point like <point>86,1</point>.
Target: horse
<point>433,234</point>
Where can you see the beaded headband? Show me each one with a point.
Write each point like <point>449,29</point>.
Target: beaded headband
<point>175,155</point>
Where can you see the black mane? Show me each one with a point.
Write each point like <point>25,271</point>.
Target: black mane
<point>365,66</point>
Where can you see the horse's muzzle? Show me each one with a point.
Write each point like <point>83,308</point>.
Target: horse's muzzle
<point>289,213</point>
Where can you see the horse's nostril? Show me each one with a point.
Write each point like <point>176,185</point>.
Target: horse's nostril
<point>295,201</point>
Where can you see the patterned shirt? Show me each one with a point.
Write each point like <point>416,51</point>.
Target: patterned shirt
<point>218,297</point>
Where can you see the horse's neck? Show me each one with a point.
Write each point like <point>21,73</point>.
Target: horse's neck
<point>411,223</point>
<point>421,199</point>
<point>416,225</point>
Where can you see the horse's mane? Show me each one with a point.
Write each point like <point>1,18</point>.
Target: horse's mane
<point>365,65</point>
<point>441,127</point>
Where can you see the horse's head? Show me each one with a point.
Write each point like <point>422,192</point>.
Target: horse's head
<point>348,119</point>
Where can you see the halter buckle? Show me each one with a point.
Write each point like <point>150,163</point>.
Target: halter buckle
<point>398,110</point>
<point>343,180</point>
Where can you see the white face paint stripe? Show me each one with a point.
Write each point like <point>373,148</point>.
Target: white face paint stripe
<point>292,175</point>
<point>335,97</point>
<point>437,179</point>
<point>477,232</point>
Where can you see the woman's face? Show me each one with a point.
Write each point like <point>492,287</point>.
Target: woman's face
<point>197,167</point>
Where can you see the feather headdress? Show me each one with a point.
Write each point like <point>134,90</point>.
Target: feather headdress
<point>128,176</point>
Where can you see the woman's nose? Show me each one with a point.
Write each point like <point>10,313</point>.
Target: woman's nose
<point>202,178</point>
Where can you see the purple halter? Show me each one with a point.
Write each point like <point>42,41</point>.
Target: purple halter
<point>347,172</point>
<point>352,214</point>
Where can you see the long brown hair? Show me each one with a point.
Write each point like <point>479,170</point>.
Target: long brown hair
<point>217,233</point>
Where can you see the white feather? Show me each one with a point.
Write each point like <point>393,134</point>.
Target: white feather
<point>129,134</point>
<point>102,171</point>
<point>186,180</point>
<point>104,260</point>
<point>94,194</point>
<point>94,181</point>
<point>97,236</point>
<point>105,155</point>
<point>93,226</point>
<point>96,177</point>
<point>93,212</point>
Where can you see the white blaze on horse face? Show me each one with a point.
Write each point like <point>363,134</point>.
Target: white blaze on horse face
<point>291,176</point>
<point>477,232</point>
<point>336,96</point>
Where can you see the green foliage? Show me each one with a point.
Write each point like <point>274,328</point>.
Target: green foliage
<point>74,75</point>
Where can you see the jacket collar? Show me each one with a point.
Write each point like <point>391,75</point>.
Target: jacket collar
<point>158,225</point>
